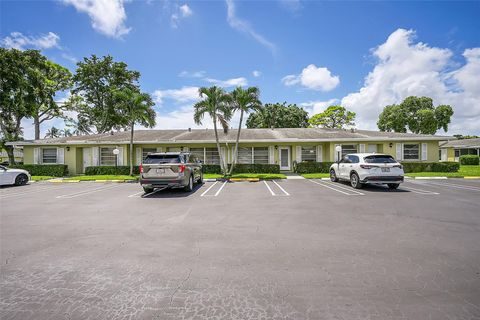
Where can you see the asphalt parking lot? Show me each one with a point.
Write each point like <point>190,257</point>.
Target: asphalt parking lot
<point>296,249</point>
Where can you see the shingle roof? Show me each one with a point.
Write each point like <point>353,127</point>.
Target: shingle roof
<point>464,143</point>
<point>246,135</point>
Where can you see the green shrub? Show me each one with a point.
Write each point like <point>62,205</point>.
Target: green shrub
<point>470,160</point>
<point>110,170</point>
<point>409,167</point>
<point>312,167</point>
<point>54,170</point>
<point>256,168</point>
<point>211,168</point>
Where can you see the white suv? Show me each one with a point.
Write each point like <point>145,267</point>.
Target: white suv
<point>362,168</point>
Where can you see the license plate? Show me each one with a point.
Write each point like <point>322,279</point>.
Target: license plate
<point>385,169</point>
<point>160,171</point>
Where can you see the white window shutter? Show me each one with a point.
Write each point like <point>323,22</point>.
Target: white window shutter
<point>319,153</point>
<point>372,148</point>
<point>335,153</point>
<point>298,153</point>
<point>159,149</point>
<point>120,156</point>
<point>95,156</point>
<point>271,155</point>
<point>424,152</point>
<point>60,155</point>
<point>399,149</point>
<point>138,155</point>
<point>36,155</point>
<point>185,149</point>
<point>362,148</point>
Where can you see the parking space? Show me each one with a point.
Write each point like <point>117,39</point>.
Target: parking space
<point>290,249</point>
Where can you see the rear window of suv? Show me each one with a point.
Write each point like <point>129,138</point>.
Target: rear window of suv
<point>379,159</point>
<point>162,158</point>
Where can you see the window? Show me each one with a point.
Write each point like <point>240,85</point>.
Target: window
<point>411,151</point>
<point>198,153</point>
<point>380,159</point>
<point>212,156</point>
<point>464,152</point>
<point>107,158</point>
<point>348,148</point>
<point>146,151</point>
<point>162,158</point>
<point>49,155</point>
<point>354,159</point>
<point>309,154</point>
<point>260,155</point>
<point>244,155</point>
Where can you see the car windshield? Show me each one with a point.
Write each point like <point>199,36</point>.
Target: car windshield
<point>379,159</point>
<point>162,158</point>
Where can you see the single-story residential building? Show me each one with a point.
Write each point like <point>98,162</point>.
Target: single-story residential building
<point>452,150</point>
<point>268,146</point>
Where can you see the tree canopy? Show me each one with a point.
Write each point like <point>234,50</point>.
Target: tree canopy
<point>417,114</point>
<point>278,115</point>
<point>335,117</point>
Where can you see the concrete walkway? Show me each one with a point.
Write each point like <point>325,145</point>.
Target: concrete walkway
<point>293,175</point>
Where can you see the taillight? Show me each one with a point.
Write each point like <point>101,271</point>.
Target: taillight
<point>141,168</point>
<point>181,168</point>
<point>367,166</point>
<point>398,166</point>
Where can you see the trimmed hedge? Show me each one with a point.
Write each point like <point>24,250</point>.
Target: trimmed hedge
<point>409,167</point>
<point>211,168</point>
<point>470,160</point>
<point>53,170</point>
<point>243,168</point>
<point>110,170</point>
<point>312,167</point>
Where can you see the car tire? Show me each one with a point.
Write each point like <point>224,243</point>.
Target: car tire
<point>189,186</point>
<point>21,180</point>
<point>333,176</point>
<point>355,181</point>
<point>147,189</point>
<point>200,180</point>
<point>393,186</point>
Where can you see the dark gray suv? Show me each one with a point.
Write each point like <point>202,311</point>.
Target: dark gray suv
<point>170,169</point>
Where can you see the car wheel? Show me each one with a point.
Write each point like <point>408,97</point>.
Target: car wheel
<point>355,181</point>
<point>21,180</point>
<point>393,186</point>
<point>147,189</point>
<point>189,186</point>
<point>200,180</point>
<point>333,176</point>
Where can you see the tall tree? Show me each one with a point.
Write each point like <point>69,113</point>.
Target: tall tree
<point>17,95</point>
<point>334,117</point>
<point>214,103</point>
<point>278,115</point>
<point>135,108</point>
<point>50,79</point>
<point>417,114</point>
<point>243,100</point>
<point>53,132</point>
<point>95,83</point>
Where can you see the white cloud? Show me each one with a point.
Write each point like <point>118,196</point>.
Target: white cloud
<point>185,94</point>
<point>245,27</point>
<point>235,82</point>
<point>192,74</point>
<point>180,12</point>
<point>256,73</point>
<point>314,78</point>
<point>314,107</point>
<point>68,57</point>
<point>20,41</point>
<point>405,68</point>
<point>107,16</point>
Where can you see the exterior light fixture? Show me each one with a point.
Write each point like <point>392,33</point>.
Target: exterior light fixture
<point>116,152</point>
<point>390,144</point>
<point>338,149</point>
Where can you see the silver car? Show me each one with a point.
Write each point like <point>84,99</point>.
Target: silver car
<point>170,170</point>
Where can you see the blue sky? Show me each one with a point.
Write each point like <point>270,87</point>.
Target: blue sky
<point>363,55</point>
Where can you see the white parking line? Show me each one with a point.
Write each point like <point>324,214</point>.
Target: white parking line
<point>349,193</point>
<point>205,192</point>
<point>135,195</point>
<point>82,193</point>
<point>419,191</point>
<point>458,186</point>
<point>279,186</point>
<point>269,189</point>
<point>153,192</point>
<point>11,195</point>
<point>218,192</point>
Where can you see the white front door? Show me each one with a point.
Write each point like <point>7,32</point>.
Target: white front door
<point>443,155</point>
<point>284,156</point>
<point>87,158</point>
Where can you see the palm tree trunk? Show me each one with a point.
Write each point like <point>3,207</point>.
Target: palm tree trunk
<point>235,154</point>
<point>131,148</point>
<point>36,123</point>
<point>222,164</point>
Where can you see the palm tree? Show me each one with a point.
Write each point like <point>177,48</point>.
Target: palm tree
<point>135,108</point>
<point>215,103</point>
<point>53,132</point>
<point>243,100</point>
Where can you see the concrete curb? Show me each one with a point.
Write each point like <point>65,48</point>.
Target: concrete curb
<point>90,181</point>
<point>244,179</point>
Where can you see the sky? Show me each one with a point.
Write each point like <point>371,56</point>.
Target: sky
<point>362,55</point>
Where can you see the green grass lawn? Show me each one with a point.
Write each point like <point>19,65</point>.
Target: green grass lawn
<point>315,175</point>
<point>247,176</point>
<point>464,171</point>
<point>212,176</point>
<point>102,177</point>
<point>41,178</point>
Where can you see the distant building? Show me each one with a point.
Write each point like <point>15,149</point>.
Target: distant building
<point>452,150</point>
